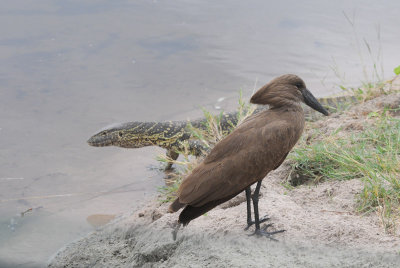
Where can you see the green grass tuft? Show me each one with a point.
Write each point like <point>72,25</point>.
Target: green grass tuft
<point>372,155</point>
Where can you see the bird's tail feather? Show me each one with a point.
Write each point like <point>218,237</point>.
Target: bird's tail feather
<point>190,212</point>
<point>175,206</point>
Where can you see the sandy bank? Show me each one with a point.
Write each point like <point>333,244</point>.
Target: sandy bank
<point>322,227</point>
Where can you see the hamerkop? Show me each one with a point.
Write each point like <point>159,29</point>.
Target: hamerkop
<point>257,146</point>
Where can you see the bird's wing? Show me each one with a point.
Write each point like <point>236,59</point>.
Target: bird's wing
<point>235,163</point>
<point>239,139</point>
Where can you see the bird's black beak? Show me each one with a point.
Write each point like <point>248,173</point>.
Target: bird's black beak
<point>311,101</point>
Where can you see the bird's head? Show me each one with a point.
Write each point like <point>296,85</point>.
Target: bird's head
<point>285,90</point>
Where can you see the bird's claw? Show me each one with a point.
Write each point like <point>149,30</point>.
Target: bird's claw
<point>263,219</point>
<point>264,232</point>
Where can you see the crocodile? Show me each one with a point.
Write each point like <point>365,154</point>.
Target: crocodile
<point>171,135</point>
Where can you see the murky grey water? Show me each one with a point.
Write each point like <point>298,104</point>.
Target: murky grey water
<point>68,68</point>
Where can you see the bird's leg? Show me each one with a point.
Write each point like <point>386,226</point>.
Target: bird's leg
<point>255,205</point>
<point>248,196</point>
<point>257,221</point>
<point>250,222</point>
<point>173,155</point>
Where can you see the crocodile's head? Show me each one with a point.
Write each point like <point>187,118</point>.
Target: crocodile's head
<point>126,135</point>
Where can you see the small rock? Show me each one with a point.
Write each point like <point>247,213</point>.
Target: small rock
<point>155,215</point>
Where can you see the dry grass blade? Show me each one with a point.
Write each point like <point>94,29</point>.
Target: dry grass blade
<point>209,136</point>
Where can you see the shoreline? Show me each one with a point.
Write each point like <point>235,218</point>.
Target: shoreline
<point>322,227</point>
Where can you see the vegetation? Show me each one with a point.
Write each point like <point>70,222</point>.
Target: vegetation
<point>397,70</point>
<point>372,155</point>
<point>370,59</point>
<point>210,136</point>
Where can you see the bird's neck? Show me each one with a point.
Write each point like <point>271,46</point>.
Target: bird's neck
<point>285,104</point>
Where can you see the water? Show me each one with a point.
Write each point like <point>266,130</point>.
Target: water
<point>69,68</point>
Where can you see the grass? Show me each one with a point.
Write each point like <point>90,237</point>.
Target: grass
<point>370,59</point>
<point>209,136</point>
<point>372,155</point>
<point>168,192</point>
<point>213,132</point>
<point>375,56</point>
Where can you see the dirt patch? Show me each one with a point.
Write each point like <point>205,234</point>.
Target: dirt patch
<point>322,230</point>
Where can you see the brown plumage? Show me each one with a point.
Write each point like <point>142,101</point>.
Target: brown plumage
<point>257,146</point>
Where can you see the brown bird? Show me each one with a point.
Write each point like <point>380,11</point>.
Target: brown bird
<point>257,146</point>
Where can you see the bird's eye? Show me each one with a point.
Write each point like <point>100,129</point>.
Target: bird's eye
<point>103,134</point>
<point>299,86</point>
<point>120,134</point>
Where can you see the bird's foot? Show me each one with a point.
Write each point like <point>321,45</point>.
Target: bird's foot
<point>263,219</point>
<point>264,232</point>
